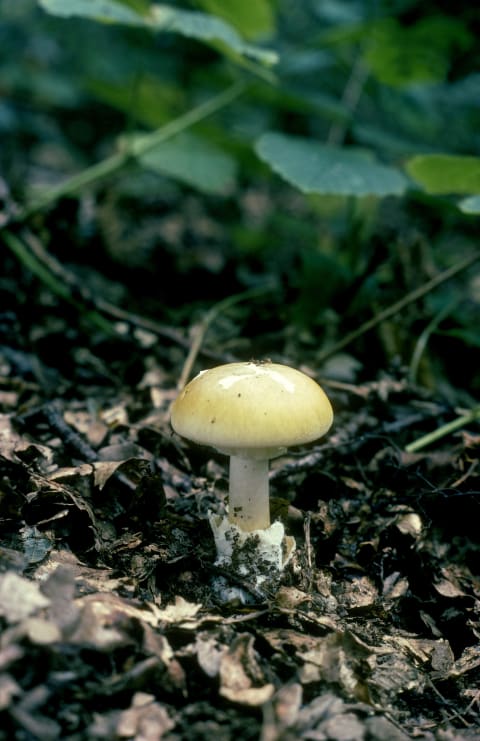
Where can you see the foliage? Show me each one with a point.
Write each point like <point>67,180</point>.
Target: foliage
<point>343,75</point>
<point>359,109</point>
<point>317,168</point>
<point>444,173</point>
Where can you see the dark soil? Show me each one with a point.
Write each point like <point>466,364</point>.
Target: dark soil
<point>110,625</point>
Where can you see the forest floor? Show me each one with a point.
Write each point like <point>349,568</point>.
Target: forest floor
<point>110,626</point>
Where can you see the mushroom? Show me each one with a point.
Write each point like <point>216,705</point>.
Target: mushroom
<point>251,412</point>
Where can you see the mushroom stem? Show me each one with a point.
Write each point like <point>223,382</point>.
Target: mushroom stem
<point>248,506</point>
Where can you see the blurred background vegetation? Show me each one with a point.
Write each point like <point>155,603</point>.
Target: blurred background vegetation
<point>323,156</point>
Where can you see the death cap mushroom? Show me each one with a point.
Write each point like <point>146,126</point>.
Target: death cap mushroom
<point>252,409</point>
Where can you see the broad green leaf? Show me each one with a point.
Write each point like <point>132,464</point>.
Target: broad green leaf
<point>317,168</point>
<point>206,28</point>
<point>193,161</point>
<point>441,174</point>
<point>252,20</point>
<point>98,10</point>
<point>470,205</point>
<point>165,19</point>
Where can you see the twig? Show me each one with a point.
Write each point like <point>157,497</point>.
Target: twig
<point>231,577</point>
<point>451,714</point>
<point>137,148</point>
<point>444,430</point>
<point>75,443</point>
<point>64,284</point>
<point>395,308</point>
<point>308,541</point>
<point>424,337</point>
<point>71,438</point>
<point>350,99</point>
<point>25,255</point>
<point>353,443</point>
<point>200,330</point>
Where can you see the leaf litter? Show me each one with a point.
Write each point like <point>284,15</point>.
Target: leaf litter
<point>110,626</point>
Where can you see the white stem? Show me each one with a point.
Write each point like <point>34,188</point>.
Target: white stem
<point>248,505</point>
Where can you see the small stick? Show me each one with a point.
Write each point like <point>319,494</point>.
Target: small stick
<point>424,337</point>
<point>60,281</point>
<point>200,330</point>
<point>56,286</point>
<point>395,308</point>
<point>308,542</point>
<point>72,439</point>
<point>350,99</point>
<point>444,430</point>
<point>75,442</point>
<point>118,161</point>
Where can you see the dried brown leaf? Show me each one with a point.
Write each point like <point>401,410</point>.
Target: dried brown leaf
<point>88,424</point>
<point>12,444</point>
<point>186,614</point>
<point>105,620</point>
<point>251,696</point>
<point>286,703</point>
<point>241,678</point>
<point>19,597</point>
<point>344,727</point>
<point>338,658</point>
<point>448,585</point>
<point>9,689</point>
<point>209,653</point>
<point>144,720</point>
<point>41,632</point>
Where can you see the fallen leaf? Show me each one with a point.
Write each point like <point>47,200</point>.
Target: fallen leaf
<point>19,597</point>
<point>241,679</point>
<point>144,720</point>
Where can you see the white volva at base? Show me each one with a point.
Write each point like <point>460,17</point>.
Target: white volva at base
<point>258,556</point>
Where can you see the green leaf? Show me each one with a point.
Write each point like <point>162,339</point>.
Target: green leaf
<point>147,99</point>
<point>207,28</point>
<point>98,10</point>
<point>441,174</point>
<point>402,55</point>
<point>165,19</point>
<point>470,337</point>
<point>252,20</point>
<point>317,168</point>
<point>191,160</point>
<point>470,205</point>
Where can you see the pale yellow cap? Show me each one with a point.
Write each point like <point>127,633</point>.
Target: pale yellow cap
<point>252,409</point>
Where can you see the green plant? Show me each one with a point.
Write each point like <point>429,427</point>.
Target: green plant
<point>339,106</point>
<point>342,82</point>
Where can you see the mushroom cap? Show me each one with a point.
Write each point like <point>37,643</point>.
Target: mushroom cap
<point>252,409</point>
